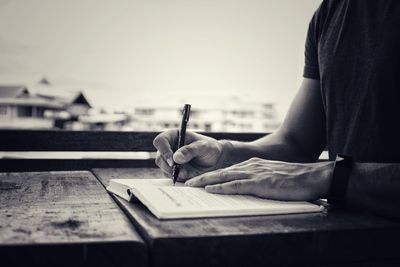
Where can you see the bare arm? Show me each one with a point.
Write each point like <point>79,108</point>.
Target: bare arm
<point>301,137</point>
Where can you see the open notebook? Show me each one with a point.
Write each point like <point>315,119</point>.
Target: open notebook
<point>167,201</point>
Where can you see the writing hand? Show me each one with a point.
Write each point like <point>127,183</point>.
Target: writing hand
<point>269,179</point>
<point>199,154</point>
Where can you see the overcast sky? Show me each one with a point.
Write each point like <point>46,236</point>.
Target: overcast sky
<point>119,51</point>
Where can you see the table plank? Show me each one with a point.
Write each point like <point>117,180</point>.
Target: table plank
<point>329,238</point>
<point>64,218</point>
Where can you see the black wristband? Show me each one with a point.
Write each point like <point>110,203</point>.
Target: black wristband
<point>340,181</point>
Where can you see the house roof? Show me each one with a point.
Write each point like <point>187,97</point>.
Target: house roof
<point>13,91</point>
<point>31,101</point>
<point>44,96</point>
<point>65,97</point>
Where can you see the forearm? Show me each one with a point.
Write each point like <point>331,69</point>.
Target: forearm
<point>301,136</point>
<point>375,187</point>
<point>273,147</point>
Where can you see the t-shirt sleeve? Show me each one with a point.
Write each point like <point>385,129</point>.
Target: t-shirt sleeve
<point>311,65</point>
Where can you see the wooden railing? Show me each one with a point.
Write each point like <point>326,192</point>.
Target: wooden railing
<point>67,141</point>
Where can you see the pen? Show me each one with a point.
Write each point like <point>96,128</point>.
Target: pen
<point>181,139</point>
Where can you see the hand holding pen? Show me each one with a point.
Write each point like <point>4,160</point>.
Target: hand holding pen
<point>197,153</point>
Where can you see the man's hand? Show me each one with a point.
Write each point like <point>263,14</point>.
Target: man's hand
<point>270,179</point>
<point>199,155</point>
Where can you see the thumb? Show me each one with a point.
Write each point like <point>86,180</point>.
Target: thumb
<point>193,150</point>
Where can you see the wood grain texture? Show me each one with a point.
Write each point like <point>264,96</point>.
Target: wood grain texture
<point>329,238</point>
<point>63,218</point>
<point>51,140</point>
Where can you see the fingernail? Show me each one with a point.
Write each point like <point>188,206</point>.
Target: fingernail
<point>170,162</point>
<point>189,183</point>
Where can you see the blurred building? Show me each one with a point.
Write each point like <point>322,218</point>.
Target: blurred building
<point>22,109</point>
<point>45,106</point>
<point>102,121</point>
<point>231,114</point>
<point>73,101</point>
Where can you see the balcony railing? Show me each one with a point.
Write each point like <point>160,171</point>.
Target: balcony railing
<point>85,141</point>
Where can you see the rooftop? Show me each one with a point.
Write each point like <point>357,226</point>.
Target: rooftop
<point>13,91</point>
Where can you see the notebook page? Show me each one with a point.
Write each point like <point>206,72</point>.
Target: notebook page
<point>154,182</point>
<point>190,200</point>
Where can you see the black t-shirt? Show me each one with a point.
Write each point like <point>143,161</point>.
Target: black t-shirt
<point>353,48</point>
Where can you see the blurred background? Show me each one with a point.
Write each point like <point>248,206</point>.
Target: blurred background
<point>131,65</point>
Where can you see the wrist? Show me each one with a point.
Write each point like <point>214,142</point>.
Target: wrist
<point>226,154</point>
<point>234,152</point>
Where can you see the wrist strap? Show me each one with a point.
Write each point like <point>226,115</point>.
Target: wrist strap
<point>340,181</point>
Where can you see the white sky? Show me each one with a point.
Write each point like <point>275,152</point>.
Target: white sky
<point>126,50</point>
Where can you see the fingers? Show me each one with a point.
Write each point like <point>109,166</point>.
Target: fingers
<point>190,151</point>
<point>163,143</point>
<point>187,172</point>
<point>163,165</point>
<point>216,177</point>
<point>233,187</point>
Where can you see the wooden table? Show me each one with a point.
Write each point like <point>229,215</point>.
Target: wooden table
<point>325,239</point>
<point>64,219</point>
<point>68,219</point>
